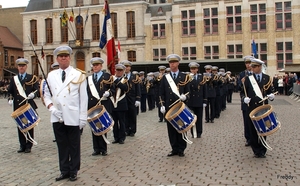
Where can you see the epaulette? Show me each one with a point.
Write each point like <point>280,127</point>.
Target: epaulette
<point>83,72</point>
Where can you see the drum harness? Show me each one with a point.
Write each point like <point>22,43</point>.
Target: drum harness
<point>175,91</point>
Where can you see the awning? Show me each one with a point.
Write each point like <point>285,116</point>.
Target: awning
<point>291,68</point>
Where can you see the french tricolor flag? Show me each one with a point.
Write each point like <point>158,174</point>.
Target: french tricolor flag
<point>107,40</point>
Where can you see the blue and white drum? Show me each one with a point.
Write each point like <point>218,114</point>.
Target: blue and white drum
<point>181,118</point>
<point>264,120</point>
<point>100,121</point>
<point>25,117</point>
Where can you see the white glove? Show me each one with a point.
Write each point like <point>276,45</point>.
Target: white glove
<point>204,105</point>
<point>182,97</point>
<point>55,112</point>
<point>163,109</point>
<point>271,96</point>
<point>247,100</point>
<point>82,124</point>
<point>30,96</point>
<point>106,94</point>
<point>137,103</point>
<point>10,102</point>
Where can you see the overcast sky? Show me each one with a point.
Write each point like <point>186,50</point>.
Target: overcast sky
<point>13,3</point>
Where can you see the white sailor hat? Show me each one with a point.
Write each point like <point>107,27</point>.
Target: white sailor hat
<point>168,69</point>
<point>150,74</point>
<point>222,70</point>
<point>173,58</point>
<point>162,67</point>
<point>214,68</point>
<point>120,67</point>
<point>156,74</point>
<point>135,72</point>
<point>228,72</point>
<point>96,60</point>
<point>55,65</point>
<point>256,62</point>
<point>193,65</point>
<point>248,58</point>
<point>126,63</point>
<point>62,50</point>
<point>141,72</point>
<point>22,61</point>
<point>207,67</point>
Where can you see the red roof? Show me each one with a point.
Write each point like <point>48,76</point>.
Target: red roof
<point>9,39</point>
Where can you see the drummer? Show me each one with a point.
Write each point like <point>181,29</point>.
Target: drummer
<point>22,87</point>
<point>98,87</point>
<point>257,86</point>
<point>168,97</point>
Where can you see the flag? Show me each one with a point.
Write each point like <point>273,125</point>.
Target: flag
<point>107,40</point>
<point>42,53</point>
<point>78,18</point>
<point>254,51</point>
<point>119,50</point>
<point>64,18</point>
<point>71,19</point>
<point>86,16</point>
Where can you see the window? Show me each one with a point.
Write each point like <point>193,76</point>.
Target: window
<point>95,2</point>
<point>79,29</point>
<point>96,54</point>
<point>131,56</point>
<point>158,30</point>
<point>210,20</point>
<point>64,33</point>
<point>188,23</point>
<point>234,19</point>
<point>262,49</point>
<point>283,15</point>
<point>114,18</point>
<point>79,2</point>
<point>49,59</point>
<point>234,51</point>
<point>284,52</point>
<point>95,27</point>
<point>49,31</point>
<point>12,61</point>
<point>211,52</point>
<point>159,54</point>
<point>258,17</point>
<point>189,53</point>
<point>35,65</point>
<point>33,31</point>
<point>64,3</point>
<point>130,25</point>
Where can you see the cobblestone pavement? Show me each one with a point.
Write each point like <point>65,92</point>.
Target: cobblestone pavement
<point>219,157</point>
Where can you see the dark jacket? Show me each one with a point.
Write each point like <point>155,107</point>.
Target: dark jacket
<point>198,92</point>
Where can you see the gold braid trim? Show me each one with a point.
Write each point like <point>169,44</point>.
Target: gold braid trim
<point>267,86</point>
<point>32,81</point>
<point>137,80</point>
<point>186,81</point>
<point>107,82</point>
<point>80,79</point>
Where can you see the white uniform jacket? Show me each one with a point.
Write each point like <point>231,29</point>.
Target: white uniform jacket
<point>70,97</point>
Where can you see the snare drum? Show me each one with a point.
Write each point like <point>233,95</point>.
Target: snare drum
<point>264,120</point>
<point>42,90</point>
<point>181,118</point>
<point>100,121</point>
<point>26,118</point>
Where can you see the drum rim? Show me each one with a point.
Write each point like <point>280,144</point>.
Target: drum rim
<point>168,114</point>
<point>30,127</point>
<point>94,108</point>
<point>254,111</point>
<point>189,126</point>
<point>270,132</point>
<point>41,91</point>
<point>19,110</point>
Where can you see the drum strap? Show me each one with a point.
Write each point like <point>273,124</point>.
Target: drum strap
<point>172,85</point>
<point>118,93</point>
<point>19,87</point>
<point>92,87</point>
<point>255,87</point>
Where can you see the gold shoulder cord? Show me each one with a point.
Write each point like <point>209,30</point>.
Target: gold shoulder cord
<point>186,81</point>
<point>31,82</point>
<point>107,82</point>
<point>137,80</point>
<point>81,78</point>
<point>267,86</point>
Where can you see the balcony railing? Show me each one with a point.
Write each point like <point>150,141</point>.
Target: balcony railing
<point>80,43</point>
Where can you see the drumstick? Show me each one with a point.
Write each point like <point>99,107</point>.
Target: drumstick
<point>99,102</point>
<point>26,98</point>
<point>178,100</point>
<point>267,97</point>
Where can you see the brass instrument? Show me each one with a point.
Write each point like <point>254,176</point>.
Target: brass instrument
<point>191,76</point>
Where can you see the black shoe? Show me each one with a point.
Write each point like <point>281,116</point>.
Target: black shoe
<point>172,153</point>
<point>62,176</point>
<point>180,154</point>
<point>212,121</point>
<point>206,121</point>
<point>121,142</point>
<point>73,177</point>
<point>132,134</point>
<point>21,150</point>
<point>116,141</point>
<point>27,150</point>
<point>127,134</point>
<point>95,153</point>
<point>54,140</point>
<point>160,120</point>
<point>104,153</point>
